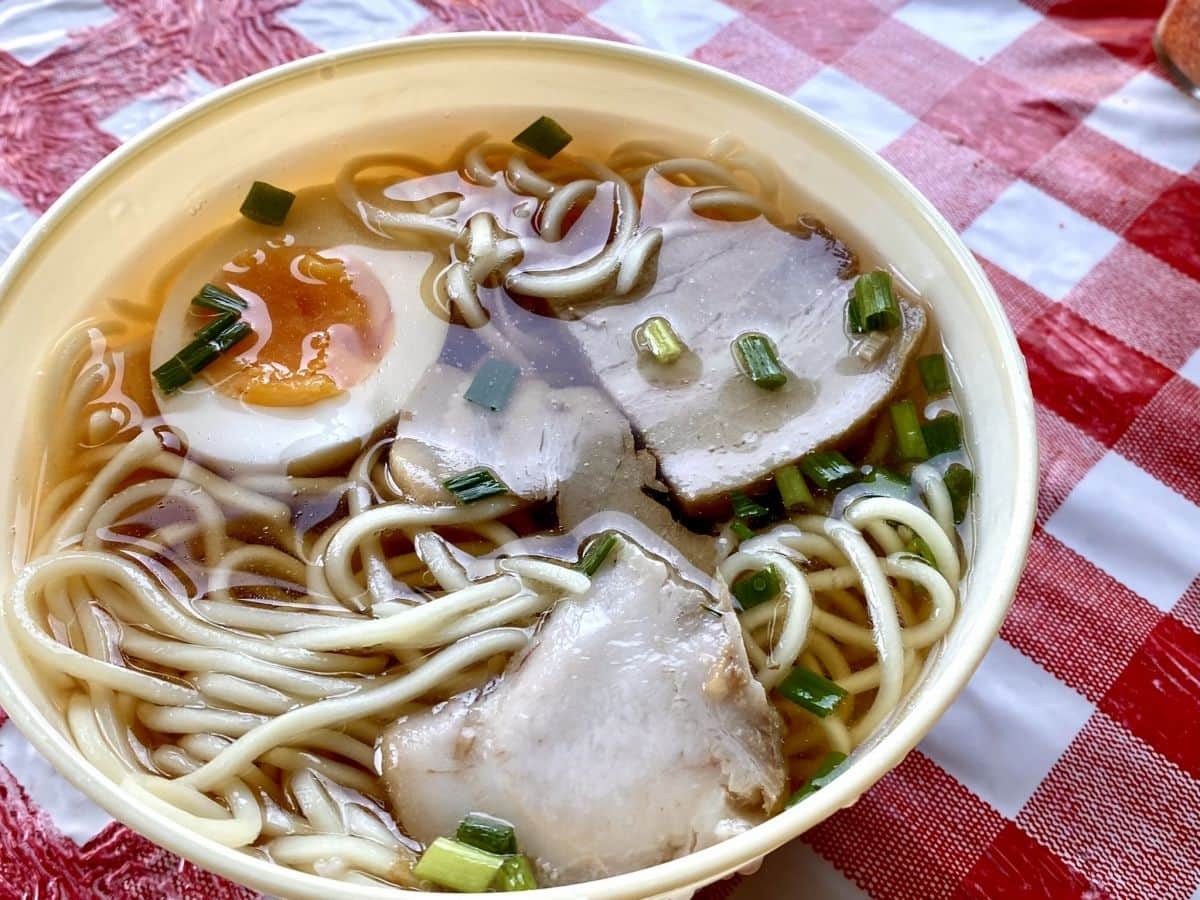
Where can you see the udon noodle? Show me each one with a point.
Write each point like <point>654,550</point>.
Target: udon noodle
<point>230,645</point>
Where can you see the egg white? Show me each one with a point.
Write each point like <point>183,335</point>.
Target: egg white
<point>231,435</point>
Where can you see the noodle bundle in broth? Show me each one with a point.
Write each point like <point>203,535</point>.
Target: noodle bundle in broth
<point>508,516</point>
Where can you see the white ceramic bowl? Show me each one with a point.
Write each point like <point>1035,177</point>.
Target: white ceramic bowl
<point>158,184</point>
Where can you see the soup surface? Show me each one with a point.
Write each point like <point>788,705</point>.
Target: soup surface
<point>507,514</point>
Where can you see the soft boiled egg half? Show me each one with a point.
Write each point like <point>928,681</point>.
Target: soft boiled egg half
<point>340,338</point>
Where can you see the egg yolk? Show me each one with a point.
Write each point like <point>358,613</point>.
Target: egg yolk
<point>321,324</point>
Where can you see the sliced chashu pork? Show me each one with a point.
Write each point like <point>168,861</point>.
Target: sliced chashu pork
<point>710,427</point>
<point>630,731</point>
<point>566,444</point>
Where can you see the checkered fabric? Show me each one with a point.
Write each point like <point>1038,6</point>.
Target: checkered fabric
<point>1046,133</point>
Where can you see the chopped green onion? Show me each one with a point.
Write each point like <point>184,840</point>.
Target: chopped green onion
<point>457,866</point>
<point>746,509</point>
<point>743,531</point>
<point>830,768</point>
<point>829,470</point>
<point>198,355</point>
<point>493,384</point>
<point>817,694</point>
<point>756,357</point>
<point>267,204</point>
<point>545,137</point>
<point>884,474</point>
<point>909,440</point>
<point>475,485</point>
<point>918,546</point>
<point>934,375</point>
<point>515,875</point>
<point>596,553</point>
<point>658,338</point>
<point>487,833</point>
<point>943,434</point>
<point>757,587</point>
<point>218,300</point>
<point>873,306</point>
<point>216,326</point>
<point>959,482</point>
<point>793,489</point>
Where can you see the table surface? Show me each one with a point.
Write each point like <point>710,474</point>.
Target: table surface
<point>1046,133</point>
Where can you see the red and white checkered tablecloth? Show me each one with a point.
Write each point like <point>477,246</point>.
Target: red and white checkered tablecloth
<point>1047,134</point>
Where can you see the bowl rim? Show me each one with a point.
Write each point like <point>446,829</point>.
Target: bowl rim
<point>701,866</point>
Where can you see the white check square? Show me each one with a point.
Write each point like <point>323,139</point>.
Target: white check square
<point>976,29</point>
<point>143,112</point>
<point>1152,118</point>
<point>870,117</point>
<point>795,865</point>
<point>1191,369</point>
<point>15,220</point>
<point>1134,527</point>
<point>74,814</point>
<point>32,31</point>
<point>1008,728</point>
<point>675,27</point>
<point>333,24</point>
<point>1041,240</point>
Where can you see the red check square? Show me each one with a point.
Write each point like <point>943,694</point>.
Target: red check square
<point>1016,867</point>
<point>905,66</point>
<point>1170,227</point>
<point>1086,375</point>
<point>1167,329</point>
<point>915,834</point>
<point>1155,696</point>
<point>1122,27</point>
<point>959,181</point>
<point>748,49</point>
<point>822,30</point>
<point>1008,123</point>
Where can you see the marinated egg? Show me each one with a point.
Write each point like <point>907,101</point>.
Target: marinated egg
<point>341,336</point>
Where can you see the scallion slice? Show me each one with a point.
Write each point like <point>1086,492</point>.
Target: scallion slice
<point>596,553</point>
<point>918,547</point>
<point>959,482</point>
<point>909,440</point>
<point>216,326</point>
<point>882,474</point>
<point>943,434</point>
<point>830,768</point>
<point>487,833</point>
<point>475,485</point>
<point>493,384</point>
<point>458,866</point>
<point>758,587</point>
<point>267,204</point>
<point>743,531</point>
<point>198,355</point>
<point>934,375</point>
<point>756,357</point>
<point>793,489</point>
<point>814,692</point>
<point>829,470</point>
<point>873,306</point>
<point>747,509</point>
<point>218,300</point>
<point>658,338</point>
<point>515,875</point>
<point>545,137</point>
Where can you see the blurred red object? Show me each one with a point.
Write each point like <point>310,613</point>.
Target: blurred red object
<point>1177,42</point>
